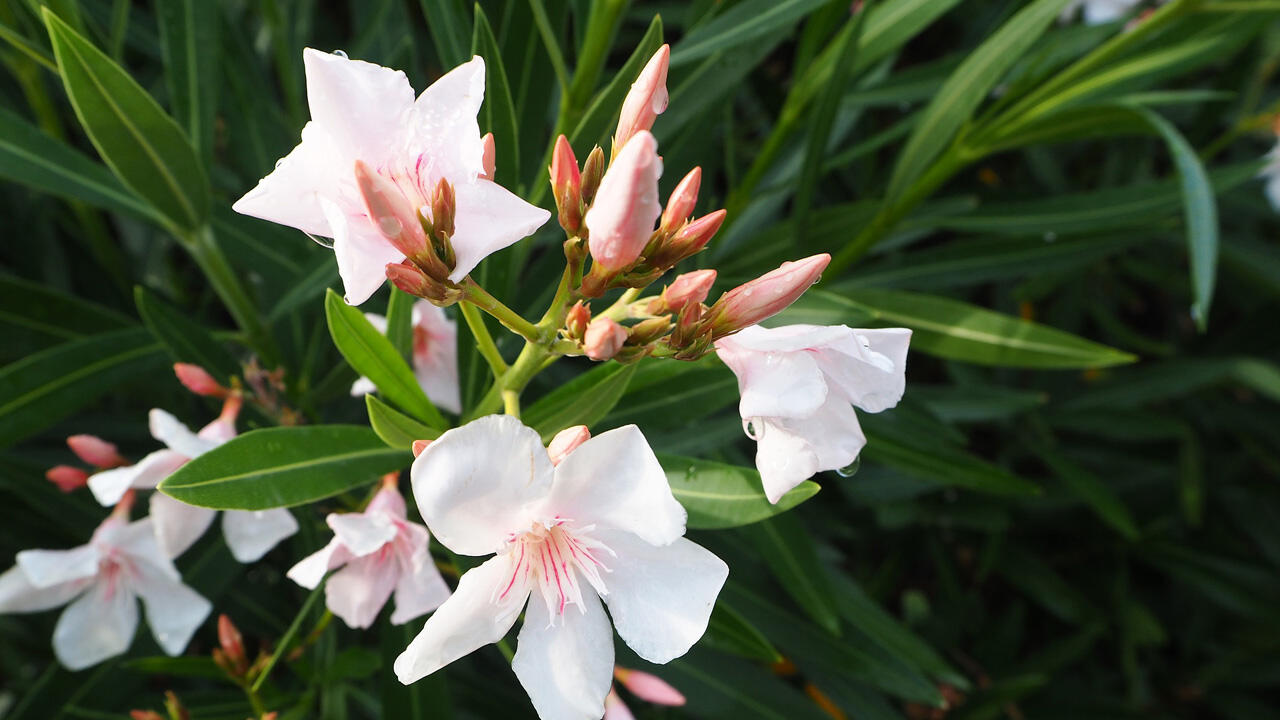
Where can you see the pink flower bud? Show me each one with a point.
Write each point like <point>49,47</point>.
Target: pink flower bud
<point>197,380</point>
<point>683,198</point>
<point>765,296</point>
<point>566,186</point>
<point>95,451</point>
<point>67,478</point>
<point>693,237</point>
<point>566,441</point>
<point>232,644</point>
<point>615,709</point>
<point>395,217</point>
<point>649,688</point>
<point>577,319</point>
<point>646,99</point>
<point>409,278</point>
<point>419,446</point>
<point>626,206</point>
<point>691,287</point>
<point>489,159</point>
<point>145,715</point>
<point>604,338</point>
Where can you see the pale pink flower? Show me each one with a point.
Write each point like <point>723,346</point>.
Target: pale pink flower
<point>604,338</point>
<point>1097,12</point>
<point>615,709</point>
<point>103,581</point>
<point>625,208</point>
<point>488,158</point>
<point>435,355</point>
<point>799,384</point>
<point>765,296</point>
<point>602,524</point>
<point>646,99</point>
<point>380,553</point>
<point>249,533</point>
<point>361,111</point>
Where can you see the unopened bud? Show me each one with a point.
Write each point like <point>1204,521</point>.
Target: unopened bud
<point>96,451</point>
<point>489,159</point>
<point>686,325</point>
<point>647,331</point>
<point>233,645</point>
<point>646,99</point>
<point>566,441</point>
<point>689,240</point>
<point>145,715</point>
<point>592,172</point>
<point>622,217</point>
<point>690,287</point>
<point>603,338</point>
<point>577,319</point>
<point>174,707</point>
<point>419,446</point>
<point>683,199</point>
<point>410,278</point>
<point>198,380</point>
<point>765,296</point>
<point>649,688</point>
<point>67,478</point>
<point>566,186</point>
<point>395,217</point>
<point>444,205</point>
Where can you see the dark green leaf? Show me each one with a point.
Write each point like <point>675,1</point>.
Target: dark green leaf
<point>395,428</point>
<point>186,341</point>
<point>719,496</point>
<point>585,400</point>
<point>498,115</point>
<point>791,554</point>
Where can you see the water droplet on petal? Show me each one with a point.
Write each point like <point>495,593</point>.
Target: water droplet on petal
<point>389,226</point>
<point>324,243</point>
<point>851,469</point>
<point>340,53</point>
<point>753,430</point>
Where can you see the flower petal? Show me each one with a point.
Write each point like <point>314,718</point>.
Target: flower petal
<point>95,627</point>
<point>469,619</point>
<point>661,597</point>
<point>567,668</point>
<point>615,709</point>
<point>489,218</point>
<point>362,106</point>
<point>785,384</point>
<point>251,533</point>
<point>420,590</point>
<point>174,611</point>
<point>362,533</point>
<point>18,595</point>
<point>435,356</point>
<point>170,431</point>
<point>444,124</point>
<point>475,484</point>
<point>361,251</point>
<point>614,480</point>
<point>177,524</point>
<point>362,386</point>
<point>290,194</point>
<point>109,486</point>
<point>310,570</point>
<point>790,450</point>
<point>358,591</point>
<point>46,568</point>
<point>870,367</point>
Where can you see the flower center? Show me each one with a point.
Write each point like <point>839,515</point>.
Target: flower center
<point>554,557</point>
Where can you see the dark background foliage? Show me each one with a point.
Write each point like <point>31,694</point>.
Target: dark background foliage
<point>1037,531</point>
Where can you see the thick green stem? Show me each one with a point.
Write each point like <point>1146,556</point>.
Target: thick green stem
<point>619,309</point>
<point>226,283</point>
<point>505,315</point>
<point>484,341</point>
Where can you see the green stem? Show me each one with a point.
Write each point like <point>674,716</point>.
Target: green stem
<point>619,309</point>
<point>505,315</point>
<point>226,283</point>
<point>255,702</point>
<point>484,341</point>
<point>288,638</point>
<point>511,403</point>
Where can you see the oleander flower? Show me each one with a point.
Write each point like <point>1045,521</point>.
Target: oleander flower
<point>249,533</point>
<point>799,384</point>
<point>102,582</point>
<point>435,356</point>
<point>1097,12</point>
<point>361,112</point>
<point>600,525</point>
<point>380,553</point>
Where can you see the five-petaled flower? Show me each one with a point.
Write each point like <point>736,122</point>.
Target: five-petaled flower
<point>249,534</point>
<point>435,356</point>
<point>602,524</point>
<point>798,383</point>
<point>382,553</point>
<point>361,112</point>
<point>102,581</point>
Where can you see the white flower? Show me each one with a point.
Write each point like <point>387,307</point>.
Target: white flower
<point>435,356</point>
<point>1098,12</point>
<point>797,384</point>
<point>1271,174</point>
<point>103,581</point>
<point>249,533</point>
<point>602,524</point>
<point>383,553</point>
<point>365,112</point>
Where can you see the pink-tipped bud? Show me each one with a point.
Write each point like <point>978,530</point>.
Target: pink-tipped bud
<point>577,319</point>
<point>174,707</point>
<point>198,380</point>
<point>566,441</point>
<point>444,205</point>
<point>96,451</point>
<point>765,296</point>
<point>395,217</point>
<point>419,446</point>
<point>592,172</point>
<point>604,338</point>
<point>232,644</point>
<point>67,478</point>
<point>649,688</point>
<point>566,186</point>
<point>615,709</point>
<point>490,157</point>
<point>691,238</point>
<point>409,278</point>
<point>691,287</point>
<point>646,99</point>
<point>626,207</point>
<point>682,201</point>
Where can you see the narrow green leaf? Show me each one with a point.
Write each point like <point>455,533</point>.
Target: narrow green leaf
<point>188,39</point>
<point>743,23</point>
<point>394,427</point>
<point>718,496</point>
<point>967,87</point>
<point>43,388</point>
<point>283,466</point>
<point>186,341</point>
<point>585,400</point>
<point>498,115</point>
<point>1093,491</point>
<point>51,315</point>
<point>730,632</point>
<point>791,554</point>
<point>448,25</point>
<point>143,146</point>
<point>372,355</point>
<point>400,322</point>
<point>945,466</point>
<point>957,330</point>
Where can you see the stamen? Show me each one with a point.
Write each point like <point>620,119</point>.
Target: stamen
<point>561,553</point>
